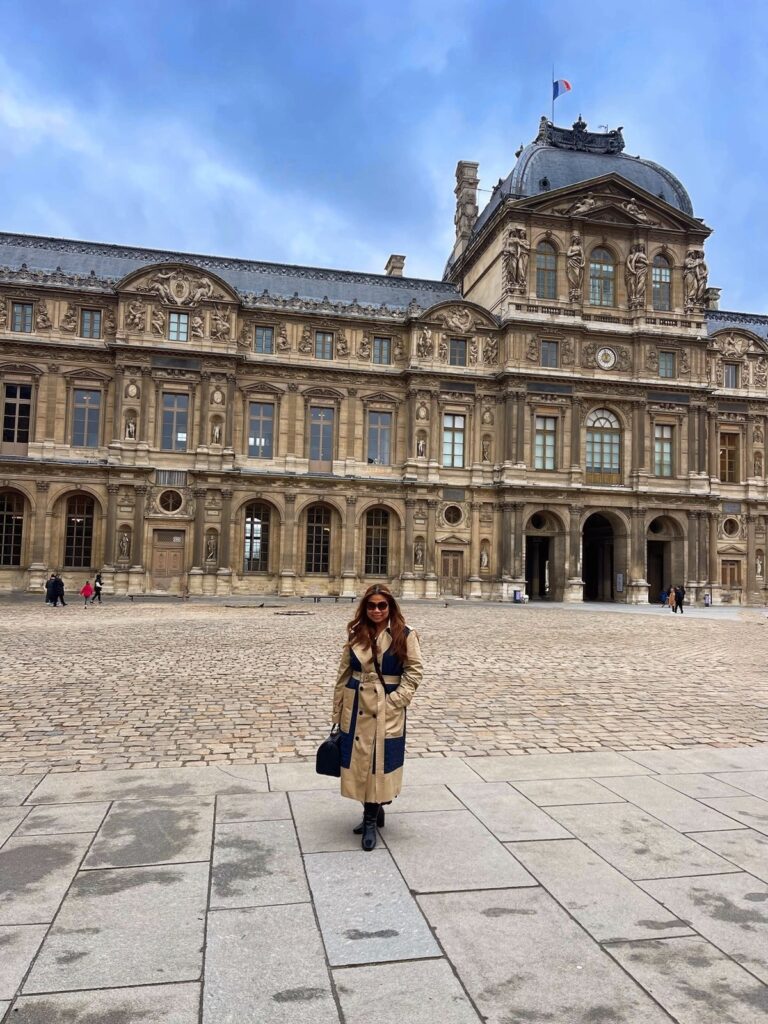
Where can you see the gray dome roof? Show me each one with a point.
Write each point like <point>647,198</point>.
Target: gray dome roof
<point>559,157</point>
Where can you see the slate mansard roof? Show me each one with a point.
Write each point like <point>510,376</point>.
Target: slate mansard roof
<point>99,267</point>
<point>559,157</point>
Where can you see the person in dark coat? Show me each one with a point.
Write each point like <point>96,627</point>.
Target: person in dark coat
<point>679,598</point>
<point>50,585</point>
<point>58,591</point>
<point>97,588</point>
<point>663,598</point>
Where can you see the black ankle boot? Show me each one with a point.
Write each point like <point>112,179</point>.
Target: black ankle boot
<point>370,814</point>
<point>358,829</point>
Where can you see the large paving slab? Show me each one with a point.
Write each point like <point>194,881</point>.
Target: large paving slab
<point>694,981</point>
<point>17,949</point>
<point>426,992</point>
<point>137,834</point>
<point>553,766</point>
<point>126,927</point>
<point>443,851</point>
<point>266,964</point>
<point>58,819</point>
<point>522,959</point>
<point>603,901</point>
<point>366,913</point>
<point>702,759</point>
<point>675,809</point>
<point>554,792</point>
<point>729,910</point>
<point>298,776</point>
<point>748,810</point>
<point>637,844</point>
<point>257,864</point>
<point>754,783</point>
<point>324,821</point>
<point>698,786</point>
<point>506,813</point>
<point>10,819</point>
<point>744,847</point>
<point>151,785</point>
<point>423,798</point>
<point>14,789</point>
<point>35,873</point>
<point>439,771</point>
<point>252,807</point>
<point>155,1004</point>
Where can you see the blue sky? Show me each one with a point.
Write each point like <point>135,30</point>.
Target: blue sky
<point>327,133</point>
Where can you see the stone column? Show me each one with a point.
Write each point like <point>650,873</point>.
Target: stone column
<point>520,431</point>
<point>430,576</point>
<point>751,593</point>
<point>352,428</point>
<point>407,577</point>
<point>574,590</point>
<point>713,444</point>
<point>196,573</point>
<point>109,542</point>
<point>693,552</point>
<point>155,438</point>
<point>508,454</point>
<point>142,432</point>
<point>410,426</point>
<point>702,446</point>
<point>38,569</point>
<point>50,407</point>
<point>507,528</point>
<point>117,416</point>
<point>703,573</point>
<point>136,574</point>
<point>518,552</point>
<point>637,590</point>
<point>224,574</point>
<point>348,573</point>
<point>693,445</point>
<point>229,422</point>
<point>750,448</point>
<point>205,386</point>
<point>475,589</point>
<point>435,430</point>
<point>292,403</point>
<point>287,583</point>
<point>714,564</point>
<point>577,409</point>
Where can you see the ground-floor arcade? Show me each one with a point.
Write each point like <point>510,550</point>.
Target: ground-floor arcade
<point>216,538</point>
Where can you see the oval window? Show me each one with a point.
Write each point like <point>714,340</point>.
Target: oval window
<point>170,501</point>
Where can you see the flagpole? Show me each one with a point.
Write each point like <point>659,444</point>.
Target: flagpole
<point>552,90</point>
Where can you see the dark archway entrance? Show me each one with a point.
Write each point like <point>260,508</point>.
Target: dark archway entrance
<point>598,559</point>
<point>664,556</point>
<point>537,567</point>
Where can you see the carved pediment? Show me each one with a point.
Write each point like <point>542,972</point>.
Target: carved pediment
<point>327,393</point>
<point>460,317</point>
<point>25,368</point>
<point>178,285</point>
<point>381,396</point>
<point>261,388</point>
<point>86,375</point>
<point>737,344</point>
<point>453,539</point>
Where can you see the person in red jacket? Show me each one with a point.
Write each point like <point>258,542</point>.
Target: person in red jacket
<point>86,592</point>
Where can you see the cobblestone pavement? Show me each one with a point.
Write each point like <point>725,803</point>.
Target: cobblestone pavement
<point>586,888</point>
<point>150,684</point>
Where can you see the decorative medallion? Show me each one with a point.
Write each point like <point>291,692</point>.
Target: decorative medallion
<point>605,358</point>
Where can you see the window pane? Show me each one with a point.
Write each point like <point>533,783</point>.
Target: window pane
<point>663,449</point>
<point>11,527</point>
<point>667,364</point>
<point>86,415</point>
<point>379,438</point>
<point>661,278</point>
<point>546,273</point>
<point>730,375</point>
<point>549,353</point>
<point>544,442</point>
<point>261,430</point>
<point>174,426</point>
<point>601,275</point>
<point>17,413</point>
<point>79,533</point>
<point>323,345</point>
<point>263,339</point>
<point>729,458</point>
<point>21,317</point>
<point>91,323</point>
<point>382,348</point>
<point>256,541</point>
<point>453,440</point>
<point>318,539</point>
<point>321,434</point>
<point>376,542</point>
<point>178,327</point>
<point>458,352</point>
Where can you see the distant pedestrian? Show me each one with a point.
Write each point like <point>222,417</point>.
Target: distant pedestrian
<point>671,596</point>
<point>97,588</point>
<point>86,592</point>
<point>50,586</point>
<point>663,598</point>
<point>58,591</point>
<point>679,598</point>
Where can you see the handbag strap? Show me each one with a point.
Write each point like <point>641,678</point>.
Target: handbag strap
<point>376,661</point>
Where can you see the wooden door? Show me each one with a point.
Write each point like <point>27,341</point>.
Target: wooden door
<point>167,559</point>
<point>452,574</point>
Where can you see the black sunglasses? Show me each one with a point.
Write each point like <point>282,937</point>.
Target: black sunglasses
<point>379,606</point>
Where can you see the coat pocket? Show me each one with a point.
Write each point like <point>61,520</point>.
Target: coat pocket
<point>394,721</point>
<point>346,709</point>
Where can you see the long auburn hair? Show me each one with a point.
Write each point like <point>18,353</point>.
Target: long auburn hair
<point>361,630</point>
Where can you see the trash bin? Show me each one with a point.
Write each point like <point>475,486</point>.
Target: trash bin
<point>518,597</point>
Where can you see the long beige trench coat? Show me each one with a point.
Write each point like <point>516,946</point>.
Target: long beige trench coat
<point>372,718</point>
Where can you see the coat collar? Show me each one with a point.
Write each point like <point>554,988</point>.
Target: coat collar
<point>364,653</point>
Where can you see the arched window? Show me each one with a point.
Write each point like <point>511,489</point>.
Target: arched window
<point>546,271</point>
<point>603,448</point>
<point>78,545</point>
<point>11,527</point>
<point>256,542</point>
<point>601,278</point>
<point>318,539</point>
<point>661,280</point>
<point>377,542</point>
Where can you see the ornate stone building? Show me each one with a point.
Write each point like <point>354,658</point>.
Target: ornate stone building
<point>567,413</point>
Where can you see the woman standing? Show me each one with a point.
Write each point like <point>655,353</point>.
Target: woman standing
<point>379,672</point>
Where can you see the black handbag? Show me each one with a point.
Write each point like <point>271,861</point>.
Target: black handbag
<point>328,761</point>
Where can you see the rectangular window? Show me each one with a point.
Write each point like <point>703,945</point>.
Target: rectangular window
<point>662,449</point>
<point>175,422</point>
<point>453,441</point>
<point>318,553</point>
<point>458,352</point>
<point>544,442</point>
<point>667,366</point>
<point>261,425</point>
<point>17,413</point>
<point>661,286</point>
<point>729,458</point>
<point>377,543</point>
<point>21,317</point>
<point>90,323</point>
<point>86,416</point>
<point>263,340</point>
<point>178,327</point>
<point>379,438</point>
<point>323,345</point>
<point>382,350</point>
<point>730,375</point>
<point>549,353</point>
<point>730,573</point>
<point>320,434</point>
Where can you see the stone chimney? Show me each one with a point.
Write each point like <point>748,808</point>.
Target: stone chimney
<point>712,298</point>
<point>394,267</point>
<point>466,203</point>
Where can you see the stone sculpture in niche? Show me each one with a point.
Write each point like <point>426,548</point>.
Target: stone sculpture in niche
<point>42,320</point>
<point>136,316</point>
<point>442,349</point>
<point>158,322</point>
<point>124,544</point>
<point>473,352</point>
<point>196,326</point>
<point>342,345</point>
<point>398,351</point>
<point>425,346</point>
<point>758,463</point>
<point>421,448</point>
<point>635,275</point>
<point>211,548</point>
<point>283,344</point>
<point>69,320</point>
<point>305,345</point>
<point>130,428</point>
<point>694,278</point>
<point>574,268</point>
<point>418,555</point>
<point>3,314</point>
<point>216,432</point>
<point>517,250</point>
<point>486,447</point>
<point>757,435</point>
<point>532,351</point>
<point>110,322</point>
<point>364,348</point>
<point>490,351</point>
<point>485,559</point>
<point>220,325</point>
<point>759,564</point>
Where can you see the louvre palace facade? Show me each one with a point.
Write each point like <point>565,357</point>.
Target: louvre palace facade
<point>567,413</point>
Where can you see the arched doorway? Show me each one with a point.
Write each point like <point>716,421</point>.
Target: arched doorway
<point>665,557</point>
<point>598,559</point>
<point>544,557</point>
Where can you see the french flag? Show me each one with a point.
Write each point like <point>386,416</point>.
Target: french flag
<point>559,87</point>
